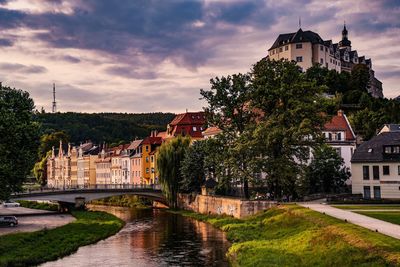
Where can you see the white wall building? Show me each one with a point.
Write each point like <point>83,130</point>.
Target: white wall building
<point>376,167</point>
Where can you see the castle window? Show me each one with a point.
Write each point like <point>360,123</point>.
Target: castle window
<point>280,49</point>
<point>321,61</point>
<point>299,59</point>
<point>388,150</point>
<point>299,46</point>
<point>286,47</point>
<point>386,170</point>
<point>321,48</point>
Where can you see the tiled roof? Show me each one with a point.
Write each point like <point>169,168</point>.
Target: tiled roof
<point>188,118</point>
<point>134,144</point>
<point>373,150</point>
<point>340,123</point>
<point>151,140</point>
<point>214,130</point>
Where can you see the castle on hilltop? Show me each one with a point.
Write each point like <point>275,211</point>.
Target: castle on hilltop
<point>308,48</point>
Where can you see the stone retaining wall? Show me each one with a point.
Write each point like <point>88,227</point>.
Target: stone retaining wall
<point>237,208</point>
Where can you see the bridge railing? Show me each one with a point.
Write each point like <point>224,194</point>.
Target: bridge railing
<point>97,187</point>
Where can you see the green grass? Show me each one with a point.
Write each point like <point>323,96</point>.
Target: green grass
<point>294,236</point>
<point>38,205</point>
<point>388,216</point>
<point>367,207</point>
<point>27,249</point>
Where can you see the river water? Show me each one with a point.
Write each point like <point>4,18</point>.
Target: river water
<point>153,237</point>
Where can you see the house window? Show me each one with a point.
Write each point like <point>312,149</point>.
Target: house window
<point>398,170</point>
<point>338,151</point>
<point>367,192</point>
<point>396,149</point>
<point>329,136</point>
<point>152,170</point>
<point>366,172</point>
<point>321,61</point>
<point>194,128</point>
<point>299,59</point>
<point>321,48</point>
<point>147,148</point>
<point>147,170</point>
<point>375,171</point>
<point>147,159</point>
<point>286,47</point>
<point>388,150</point>
<point>280,49</point>
<point>377,192</point>
<point>386,170</point>
<point>326,65</point>
<point>299,46</point>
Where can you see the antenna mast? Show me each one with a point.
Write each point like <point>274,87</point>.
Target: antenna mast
<point>54,109</point>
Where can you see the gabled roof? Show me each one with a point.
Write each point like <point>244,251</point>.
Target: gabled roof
<point>189,118</point>
<point>210,131</point>
<point>152,140</point>
<point>340,122</point>
<point>134,144</point>
<point>373,150</point>
<point>297,37</point>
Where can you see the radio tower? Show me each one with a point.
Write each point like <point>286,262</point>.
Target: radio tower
<point>54,109</point>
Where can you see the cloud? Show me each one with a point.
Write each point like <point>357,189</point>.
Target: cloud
<point>6,42</point>
<point>15,67</point>
<point>131,73</point>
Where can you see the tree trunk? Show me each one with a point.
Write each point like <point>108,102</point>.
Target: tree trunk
<point>246,188</point>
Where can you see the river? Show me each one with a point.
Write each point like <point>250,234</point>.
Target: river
<point>153,237</point>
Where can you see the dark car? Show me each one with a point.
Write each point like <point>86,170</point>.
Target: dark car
<point>8,220</point>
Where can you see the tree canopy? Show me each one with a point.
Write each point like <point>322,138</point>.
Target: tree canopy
<point>19,139</point>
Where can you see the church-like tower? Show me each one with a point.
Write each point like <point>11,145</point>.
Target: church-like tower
<point>345,42</point>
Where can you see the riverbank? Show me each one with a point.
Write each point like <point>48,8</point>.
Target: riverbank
<point>27,249</point>
<point>290,235</point>
<point>127,201</point>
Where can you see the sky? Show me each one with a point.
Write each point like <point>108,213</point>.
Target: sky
<point>156,55</point>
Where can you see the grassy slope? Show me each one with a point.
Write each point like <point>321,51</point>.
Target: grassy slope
<point>389,216</point>
<point>367,207</point>
<point>295,236</point>
<point>26,249</point>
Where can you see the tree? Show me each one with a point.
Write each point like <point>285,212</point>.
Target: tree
<point>19,139</point>
<point>228,109</point>
<point>291,115</point>
<point>360,78</point>
<point>326,173</point>
<point>169,160</point>
<point>193,167</point>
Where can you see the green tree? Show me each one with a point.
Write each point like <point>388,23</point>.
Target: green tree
<point>360,78</point>
<point>40,169</point>
<point>19,139</point>
<point>326,173</point>
<point>169,160</point>
<point>291,109</point>
<point>228,109</point>
<point>193,167</point>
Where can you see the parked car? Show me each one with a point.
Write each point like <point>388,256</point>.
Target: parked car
<point>8,203</point>
<point>8,220</point>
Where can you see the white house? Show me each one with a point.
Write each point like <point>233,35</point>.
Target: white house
<point>376,166</point>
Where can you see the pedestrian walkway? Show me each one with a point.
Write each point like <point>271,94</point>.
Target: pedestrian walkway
<point>382,227</point>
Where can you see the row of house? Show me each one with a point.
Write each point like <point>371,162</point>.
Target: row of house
<point>90,165</point>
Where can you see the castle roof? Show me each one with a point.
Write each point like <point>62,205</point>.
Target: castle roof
<point>297,37</point>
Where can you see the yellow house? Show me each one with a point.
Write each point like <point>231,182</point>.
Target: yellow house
<point>149,145</point>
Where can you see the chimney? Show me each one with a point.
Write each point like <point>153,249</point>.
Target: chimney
<point>340,113</point>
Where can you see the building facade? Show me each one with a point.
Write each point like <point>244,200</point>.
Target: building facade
<point>307,48</point>
<point>376,167</point>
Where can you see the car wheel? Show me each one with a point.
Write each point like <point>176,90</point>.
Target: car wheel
<point>12,224</point>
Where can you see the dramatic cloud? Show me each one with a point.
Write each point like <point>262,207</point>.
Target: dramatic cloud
<point>153,55</point>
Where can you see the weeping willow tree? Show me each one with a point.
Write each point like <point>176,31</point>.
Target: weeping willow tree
<point>169,159</point>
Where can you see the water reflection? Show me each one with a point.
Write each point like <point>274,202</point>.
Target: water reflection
<point>153,238</point>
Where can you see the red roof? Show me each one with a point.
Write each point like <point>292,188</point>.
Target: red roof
<point>340,123</point>
<point>152,140</point>
<point>189,118</point>
<point>214,130</point>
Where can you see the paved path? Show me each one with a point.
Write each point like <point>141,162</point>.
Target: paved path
<point>36,223</point>
<point>383,227</point>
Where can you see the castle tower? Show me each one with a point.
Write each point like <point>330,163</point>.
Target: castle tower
<point>345,42</point>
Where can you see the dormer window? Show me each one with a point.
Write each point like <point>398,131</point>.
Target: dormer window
<point>369,150</point>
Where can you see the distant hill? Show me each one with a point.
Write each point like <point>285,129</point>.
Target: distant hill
<point>103,127</point>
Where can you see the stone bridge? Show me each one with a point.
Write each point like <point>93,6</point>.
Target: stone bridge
<point>80,196</point>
